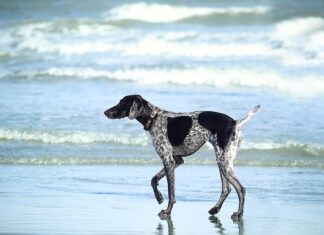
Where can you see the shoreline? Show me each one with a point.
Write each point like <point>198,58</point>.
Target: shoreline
<point>119,200</point>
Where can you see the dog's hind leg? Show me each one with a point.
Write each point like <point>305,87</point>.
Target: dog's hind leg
<point>229,175</point>
<point>226,188</point>
<point>225,159</point>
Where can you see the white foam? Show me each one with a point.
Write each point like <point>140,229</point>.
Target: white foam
<point>77,41</point>
<point>311,149</point>
<point>71,137</point>
<point>302,41</point>
<point>307,86</point>
<point>288,145</point>
<point>153,12</point>
<point>151,45</point>
<point>298,27</point>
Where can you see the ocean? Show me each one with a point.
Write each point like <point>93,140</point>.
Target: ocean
<point>65,168</point>
<point>64,63</point>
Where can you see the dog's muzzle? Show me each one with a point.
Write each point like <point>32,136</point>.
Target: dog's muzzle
<point>110,114</point>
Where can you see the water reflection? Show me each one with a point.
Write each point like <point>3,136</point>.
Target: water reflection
<point>218,225</point>
<point>160,229</point>
<point>221,230</point>
<point>171,229</point>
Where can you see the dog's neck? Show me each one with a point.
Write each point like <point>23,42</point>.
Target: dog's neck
<point>147,118</point>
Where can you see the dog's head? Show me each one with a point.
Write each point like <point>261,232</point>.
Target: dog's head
<point>131,106</point>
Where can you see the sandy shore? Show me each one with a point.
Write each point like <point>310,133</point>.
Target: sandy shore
<point>97,200</point>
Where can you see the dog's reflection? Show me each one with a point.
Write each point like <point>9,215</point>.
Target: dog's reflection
<point>213,219</point>
<point>218,225</point>
<point>171,229</point>
<point>221,230</point>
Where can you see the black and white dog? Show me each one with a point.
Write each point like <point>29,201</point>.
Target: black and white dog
<point>177,135</point>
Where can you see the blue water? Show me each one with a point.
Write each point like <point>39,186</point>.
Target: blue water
<point>63,63</point>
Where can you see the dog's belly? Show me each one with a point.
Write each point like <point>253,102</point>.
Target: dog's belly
<point>196,138</point>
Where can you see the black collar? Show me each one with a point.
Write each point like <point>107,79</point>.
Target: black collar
<point>151,117</point>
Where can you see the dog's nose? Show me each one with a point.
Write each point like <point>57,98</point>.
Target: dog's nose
<point>110,114</point>
<point>107,113</point>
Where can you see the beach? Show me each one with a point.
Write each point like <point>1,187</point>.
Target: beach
<point>119,200</point>
<point>65,168</point>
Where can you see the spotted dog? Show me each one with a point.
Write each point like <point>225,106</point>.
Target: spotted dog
<point>177,135</point>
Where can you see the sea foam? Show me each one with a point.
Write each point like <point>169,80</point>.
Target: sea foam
<point>308,85</point>
<point>301,39</point>
<point>163,13</point>
<point>70,137</point>
<point>83,137</point>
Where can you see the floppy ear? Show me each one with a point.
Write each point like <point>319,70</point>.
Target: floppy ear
<point>134,109</point>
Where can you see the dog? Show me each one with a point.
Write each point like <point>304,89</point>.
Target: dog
<point>177,135</point>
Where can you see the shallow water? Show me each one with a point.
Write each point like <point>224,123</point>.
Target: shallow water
<point>119,200</point>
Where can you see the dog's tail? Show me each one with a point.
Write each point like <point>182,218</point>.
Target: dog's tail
<point>244,120</point>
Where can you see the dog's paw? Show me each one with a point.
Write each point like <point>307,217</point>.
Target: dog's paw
<point>160,201</point>
<point>159,198</point>
<point>237,216</point>
<point>214,210</point>
<point>164,215</point>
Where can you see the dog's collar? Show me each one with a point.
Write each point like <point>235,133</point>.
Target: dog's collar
<point>152,116</point>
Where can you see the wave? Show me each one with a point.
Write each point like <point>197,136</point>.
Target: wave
<point>298,27</point>
<point>75,161</point>
<point>82,137</point>
<point>288,146</point>
<point>297,41</point>
<point>301,40</point>
<point>103,39</point>
<point>296,85</point>
<point>163,13</point>
<point>313,163</point>
<point>71,137</point>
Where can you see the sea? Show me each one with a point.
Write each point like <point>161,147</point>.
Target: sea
<point>63,63</point>
<point>65,168</point>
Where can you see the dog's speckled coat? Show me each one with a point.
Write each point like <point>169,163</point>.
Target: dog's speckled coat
<point>192,130</point>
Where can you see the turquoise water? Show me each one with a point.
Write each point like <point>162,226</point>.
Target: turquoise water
<point>60,71</point>
<point>65,168</point>
<point>63,63</point>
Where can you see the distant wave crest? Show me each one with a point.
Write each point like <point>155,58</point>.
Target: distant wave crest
<point>162,13</point>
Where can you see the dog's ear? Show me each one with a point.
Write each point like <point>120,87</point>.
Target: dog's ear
<point>134,109</point>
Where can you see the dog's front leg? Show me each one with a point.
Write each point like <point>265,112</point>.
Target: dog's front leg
<point>155,182</point>
<point>164,149</point>
<point>169,167</point>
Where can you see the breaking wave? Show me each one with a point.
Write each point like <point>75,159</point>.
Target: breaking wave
<point>70,137</point>
<point>82,137</point>
<point>300,40</point>
<point>163,13</point>
<point>149,161</point>
<point>295,85</point>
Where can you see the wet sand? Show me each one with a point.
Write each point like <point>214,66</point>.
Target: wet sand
<point>119,200</point>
